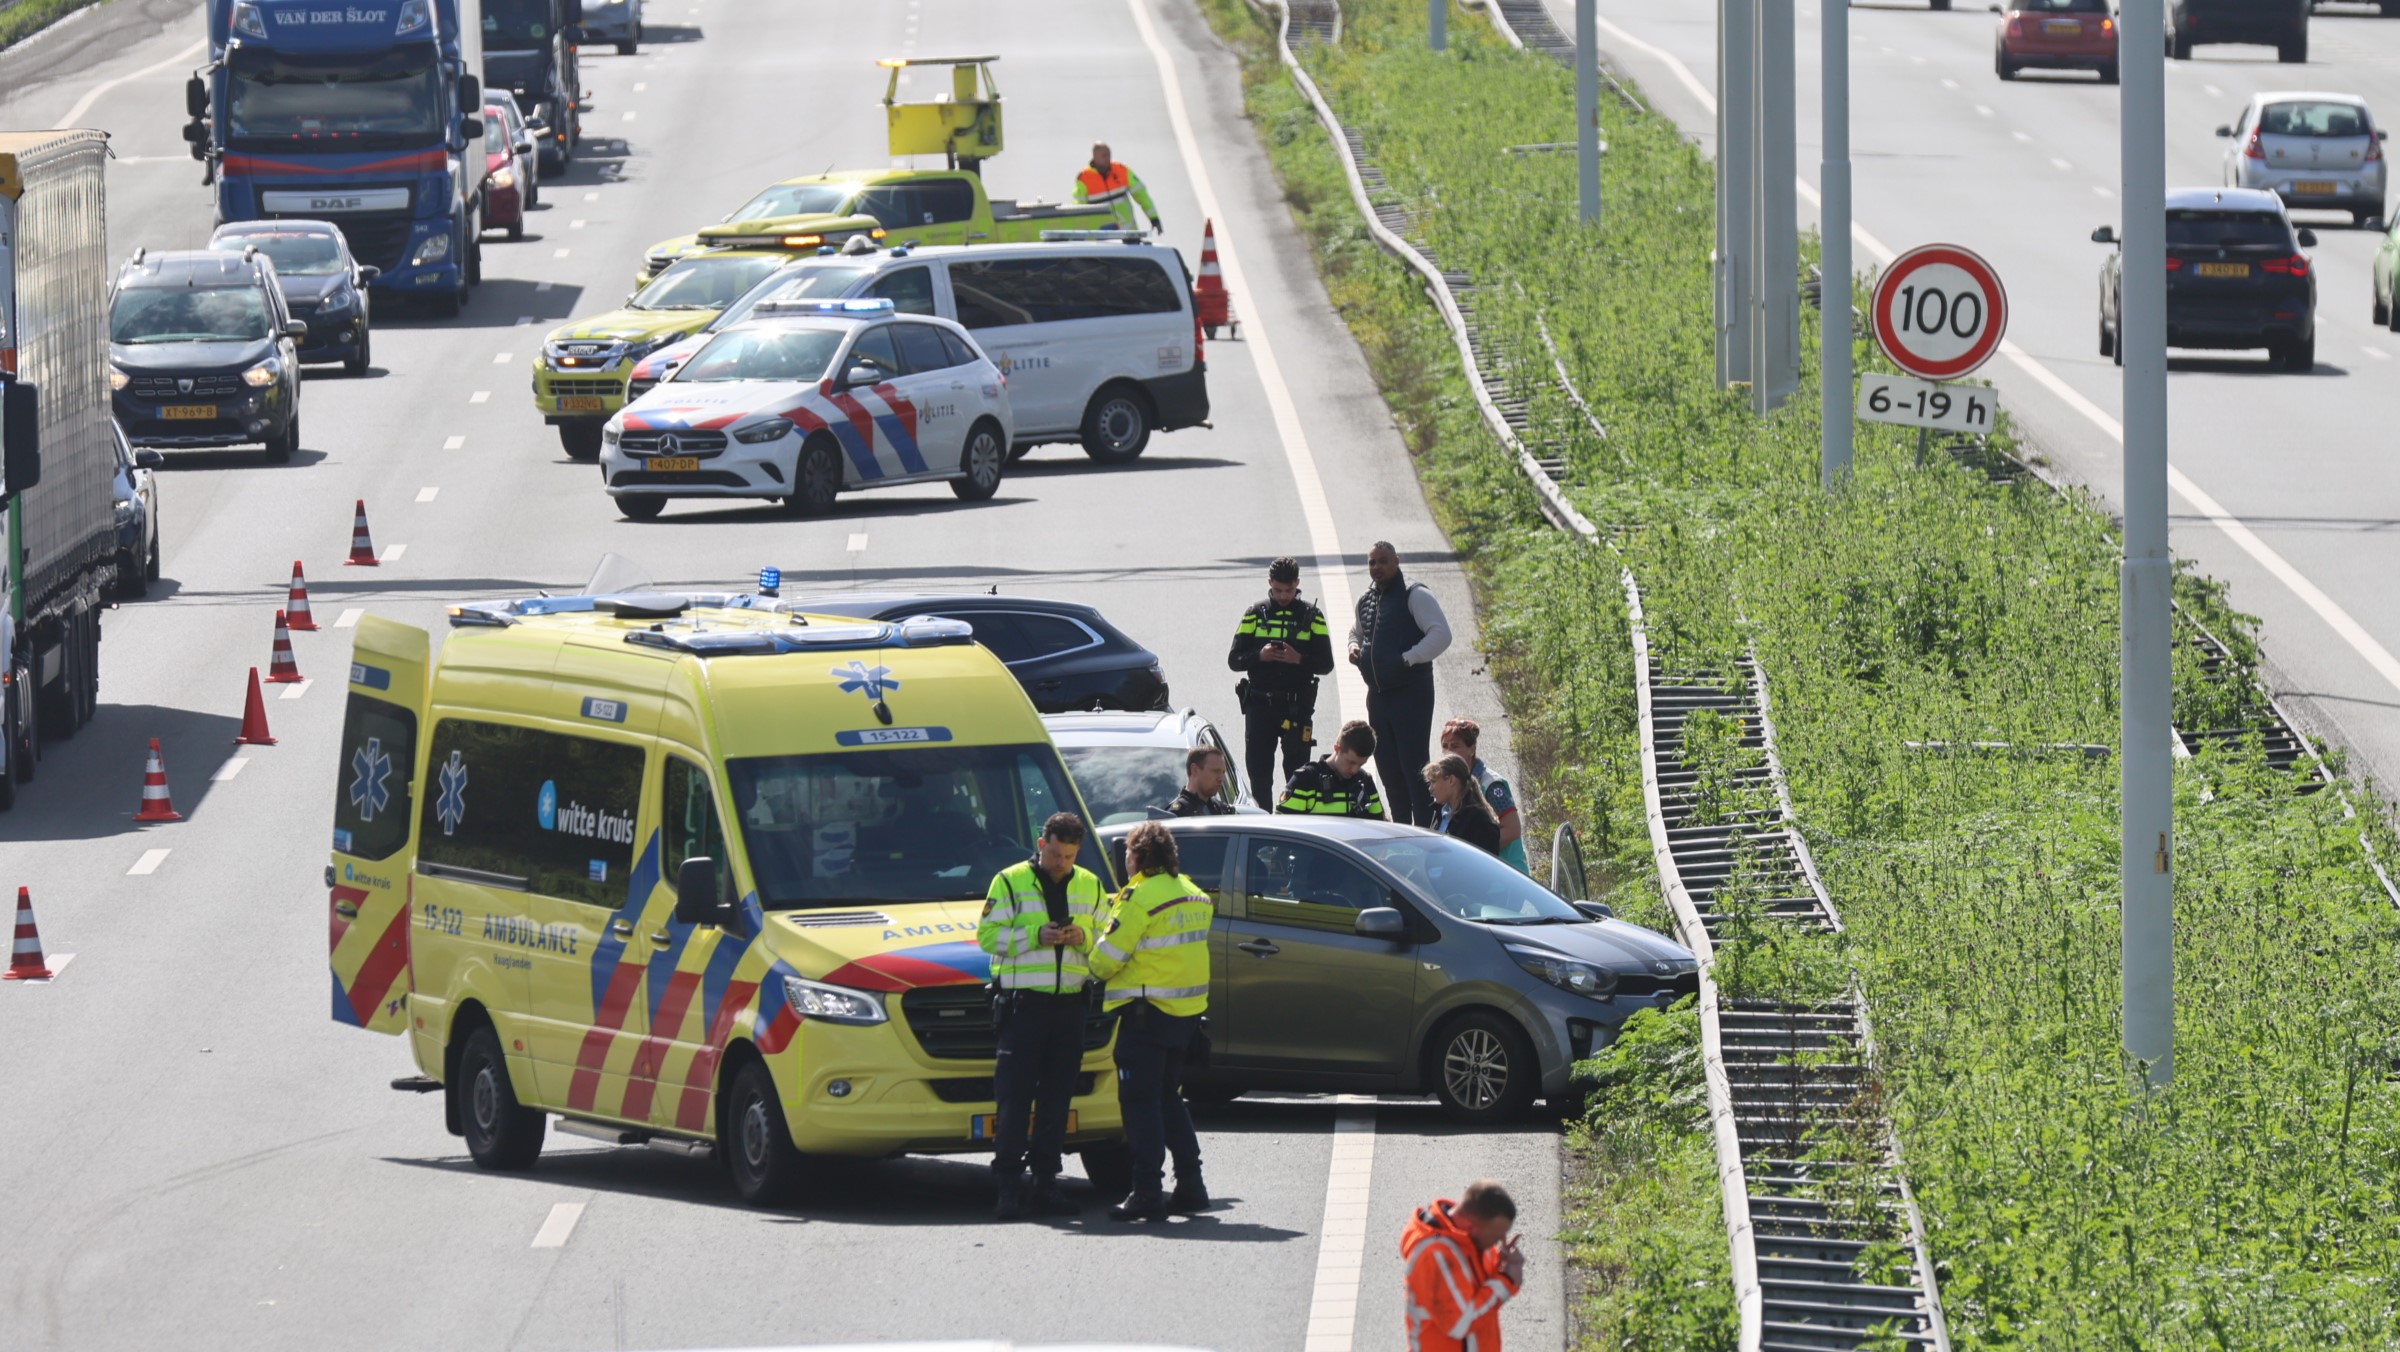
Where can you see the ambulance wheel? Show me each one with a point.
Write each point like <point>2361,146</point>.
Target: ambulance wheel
<point>1116,428</point>
<point>1109,1165</point>
<point>981,464</point>
<point>754,1140</point>
<point>640,506</point>
<point>816,479</point>
<point>501,1133</point>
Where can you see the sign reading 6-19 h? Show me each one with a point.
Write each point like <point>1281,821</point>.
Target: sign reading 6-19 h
<point>1939,312</point>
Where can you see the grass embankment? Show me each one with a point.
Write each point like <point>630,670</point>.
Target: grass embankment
<point>2250,1207</point>
<point>28,17</point>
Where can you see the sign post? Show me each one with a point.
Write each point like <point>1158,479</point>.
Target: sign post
<point>1939,313</point>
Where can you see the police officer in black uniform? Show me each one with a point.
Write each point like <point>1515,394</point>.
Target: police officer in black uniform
<point>1203,785</point>
<point>1281,647</point>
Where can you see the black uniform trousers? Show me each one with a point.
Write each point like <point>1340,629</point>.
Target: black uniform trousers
<point>1264,733</point>
<point>1403,723</point>
<point>1151,1046</point>
<point>1041,1053</point>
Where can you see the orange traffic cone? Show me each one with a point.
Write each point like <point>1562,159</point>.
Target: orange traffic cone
<point>284,668</point>
<point>25,963</point>
<point>1209,297</point>
<point>296,605</point>
<point>157,805</point>
<point>254,717</point>
<point>362,545</point>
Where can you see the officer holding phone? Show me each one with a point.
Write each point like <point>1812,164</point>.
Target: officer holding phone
<point>1281,647</point>
<point>1038,922</point>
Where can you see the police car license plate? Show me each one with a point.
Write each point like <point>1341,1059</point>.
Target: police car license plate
<point>671,462</point>
<point>581,403</point>
<point>188,412</point>
<point>987,1125</point>
<point>2314,188</point>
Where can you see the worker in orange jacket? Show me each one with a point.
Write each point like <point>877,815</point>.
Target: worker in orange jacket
<point>1109,183</point>
<point>1462,1267</point>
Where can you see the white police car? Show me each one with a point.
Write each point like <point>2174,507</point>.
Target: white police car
<point>808,398</point>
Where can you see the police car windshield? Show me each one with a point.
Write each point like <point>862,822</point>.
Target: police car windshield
<point>181,314</point>
<point>704,283</point>
<point>794,199</point>
<point>296,253</point>
<point>1122,783</point>
<point>814,282</point>
<point>762,354</point>
<point>888,825</point>
<point>1468,883</point>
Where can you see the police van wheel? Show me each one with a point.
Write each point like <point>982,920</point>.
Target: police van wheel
<point>980,465</point>
<point>1116,427</point>
<point>1482,1070</point>
<point>640,506</point>
<point>754,1141</point>
<point>1109,1166</point>
<point>501,1133</point>
<point>816,479</point>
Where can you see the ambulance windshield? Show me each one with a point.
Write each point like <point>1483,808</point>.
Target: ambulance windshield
<point>888,825</point>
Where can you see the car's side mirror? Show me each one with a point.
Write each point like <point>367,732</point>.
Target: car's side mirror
<point>696,901</point>
<point>1380,922</point>
<point>195,97</point>
<point>2382,135</point>
<point>524,145</point>
<point>149,459</point>
<point>861,374</point>
<point>294,328</point>
<point>470,94</point>
<point>471,128</point>
<point>2308,238</point>
<point>2226,132</point>
<point>1597,910</point>
<point>2104,235</point>
<point>21,425</point>
<point>368,272</point>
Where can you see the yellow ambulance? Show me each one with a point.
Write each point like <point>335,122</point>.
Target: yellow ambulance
<point>691,871</point>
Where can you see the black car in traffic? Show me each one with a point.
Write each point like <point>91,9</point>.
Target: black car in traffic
<point>2280,24</point>
<point>2235,278</point>
<point>324,285</point>
<point>1068,657</point>
<point>203,352</point>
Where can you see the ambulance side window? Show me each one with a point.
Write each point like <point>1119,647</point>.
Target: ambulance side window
<point>689,823</point>
<point>371,807</point>
<point>541,811</point>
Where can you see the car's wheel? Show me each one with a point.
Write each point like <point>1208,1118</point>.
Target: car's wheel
<point>1211,1091</point>
<point>157,533</point>
<point>501,1133</point>
<point>1116,428</point>
<point>2108,341</point>
<point>357,362</point>
<point>1109,1165</point>
<point>2365,220</point>
<point>1940,5</point>
<point>58,703</point>
<point>516,229</point>
<point>88,692</point>
<point>580,439</point>
<point>2293,51</point>
<point>816,478</point>
<point>640,506</point>
<point>8,729</point>
<point>2302,355</point>
<point>133,577</point>
<point>629,47</point>
<point>2383,311</point>
<point>282,445</point>
<point>2179,47</point>
<point>2108,73</point>
<point>981,463</point>
<point>2391,306</point>
<point>1482,1070</point>
<point>2001,66</point>
<point>753,1140</point>
<point>475,255</point>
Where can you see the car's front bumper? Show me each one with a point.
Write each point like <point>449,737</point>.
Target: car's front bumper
<point>584,394</point>
<point>612,23</point>
<point>238,420</point>
<point>893,1101</point>
<point>766,470</point>
<point>334,338</point>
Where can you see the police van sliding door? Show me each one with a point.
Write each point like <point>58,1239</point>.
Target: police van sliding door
<point>537,827</point>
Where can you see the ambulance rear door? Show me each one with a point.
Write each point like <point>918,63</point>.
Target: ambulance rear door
<point>374,821</point>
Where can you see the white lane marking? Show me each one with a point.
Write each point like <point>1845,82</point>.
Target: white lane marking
<point>298,688</point>
<point>1333,577</point>
<point>1916,60</point>
<point>2376,352</point>
<point>449,444</point>
<point>560,254</point>
<point>543,286</point>
<point>2062,165</point>
<point>232,766</point>
<point>591,197</point>
<point>629,116</point>
<point>1948,83</point>
<point>559,1225</point>
<point>1342,1238</point>
<point>348,618</point>
<point>480,397</point>
<point>640,85</point>
<point>56,962</point>
<point>858,542</point>
<point>392,555</point>
<point>523,320</point>
<point>1983,110</point>
<point>428,494</point>
<point>2213,91</point>
<point>2021,136</point>
<point>501,358</point>
<point>148,863</point>
<point>2104,192</point>
<point>2348,629</point>
<point>92,95</point>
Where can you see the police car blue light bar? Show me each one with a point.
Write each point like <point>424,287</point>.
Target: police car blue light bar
<point>879,306</point>
<point>770,581</point>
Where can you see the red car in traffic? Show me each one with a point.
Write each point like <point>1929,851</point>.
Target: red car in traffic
<point>2055,35</point>
<point>509,186</point>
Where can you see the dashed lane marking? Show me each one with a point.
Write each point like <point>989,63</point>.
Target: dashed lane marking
<point>858,542</point>
<point>2212,91</point>
<point>232,766</point>
<point>450,444</point>
<point>1948,83</point>
<point>348,618</point>
<point>2376,352</point>
<point>480,397</point>
<point>575,225</point>
<point>2062,165</point>
<point>559,254</point>
<point>523,320</point>
<point>57,962</point>
<point>298,688</point>
<point>559,1225</point>
<point>543,286</point>
<point>1983,110</point>
<point>2103,191</point>
<point>640,85</point>
<point>429,493</point>
<point>591,197</point>
<point>629,116</point>
<point>501,358</point>
<point>148,863</point>
<point>392,555</point>
<point>1342,1238</point>
<point>2022,137</point>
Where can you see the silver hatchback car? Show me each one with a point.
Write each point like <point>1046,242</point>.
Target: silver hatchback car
<point>1354,956</point>
<point>2316,151</point>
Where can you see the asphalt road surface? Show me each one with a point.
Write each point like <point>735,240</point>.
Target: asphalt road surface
<point>198,1157</point>
<point>2286,487</point>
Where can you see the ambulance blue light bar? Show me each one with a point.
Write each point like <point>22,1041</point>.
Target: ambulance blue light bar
<point>918,632</point>
<point>878,306</point>
<point>1089,236</point>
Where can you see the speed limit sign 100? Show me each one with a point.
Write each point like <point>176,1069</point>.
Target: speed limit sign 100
<point>1939,312</point>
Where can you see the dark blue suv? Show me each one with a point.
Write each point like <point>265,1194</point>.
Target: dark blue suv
<point>202,352</point>
<point>2235,278</point>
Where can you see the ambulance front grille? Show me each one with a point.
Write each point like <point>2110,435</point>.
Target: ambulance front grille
<point>980,1090</point>
<point>954,1023</point>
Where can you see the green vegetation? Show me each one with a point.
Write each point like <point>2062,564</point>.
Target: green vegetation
<point>28,17</point>
<point>2250,1207</point>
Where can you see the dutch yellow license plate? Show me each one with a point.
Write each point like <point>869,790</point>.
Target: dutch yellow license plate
<point>2061,27</point>
<point>188,412</point>
<point>582,403</point>
<point>987,1125</point>
<point>2315,188</point>
<point>672,462</point>
<point>2224,269</point>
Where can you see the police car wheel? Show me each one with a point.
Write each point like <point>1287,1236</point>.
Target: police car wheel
<point>640,506</point>
<point>501,1133</point>
<point>754,1142</point>
<point>982,462</point>
<point>1116,427</point>
<point>1483,1070</point>
<point>816,479</point>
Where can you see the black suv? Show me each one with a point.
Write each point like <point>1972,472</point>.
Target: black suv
<point>2235,278</point>
<point>201,352</point>
<point>324,286</point>
<point>1069,658</point>
<point>2280,24</point>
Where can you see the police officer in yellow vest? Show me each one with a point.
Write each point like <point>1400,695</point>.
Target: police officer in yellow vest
<point>1153,954</point>
<point>1037,924</point>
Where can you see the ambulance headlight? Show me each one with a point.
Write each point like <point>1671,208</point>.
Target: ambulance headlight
<point>833,1004</point>
<point>763,433</point>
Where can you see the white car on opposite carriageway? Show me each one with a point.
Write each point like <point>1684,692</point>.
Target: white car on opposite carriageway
<point>806,399</point>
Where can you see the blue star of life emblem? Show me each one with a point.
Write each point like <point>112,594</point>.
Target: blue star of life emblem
<point>369,792</point>
<point>860,679</point>
<point>451,807</point>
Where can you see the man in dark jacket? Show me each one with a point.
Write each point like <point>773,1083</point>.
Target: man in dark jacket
<point>1203,785</point>
<point>1400,630</point>
<point>1281,647</point>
